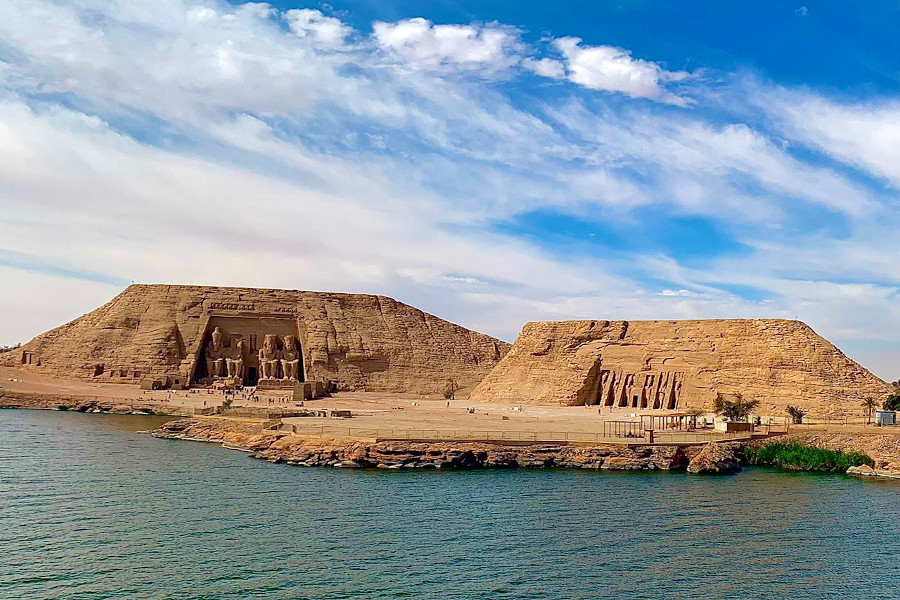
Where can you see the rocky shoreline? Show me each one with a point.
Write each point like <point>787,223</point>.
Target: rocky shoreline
<point>84,405</point>
<point>282,447</point>
<point>313,451</point>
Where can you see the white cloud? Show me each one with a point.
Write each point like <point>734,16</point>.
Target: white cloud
<point>613,69</point>
<point>545,67</point>
<point>421,44</point>
<point>213,144</point>
<point>866,135</point>
<point>38,301</point>
<point>328,32</point>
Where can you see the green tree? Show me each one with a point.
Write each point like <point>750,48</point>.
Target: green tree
<point>796,414</point>
<point>734,410</point>
<point>451,389</point>
<point>870,405</point>
<point>892,402</point>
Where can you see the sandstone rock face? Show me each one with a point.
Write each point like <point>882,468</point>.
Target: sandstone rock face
<point>716,458</point>
<point>649,365</point>
<point>359,342</point>
<point>314,451</point>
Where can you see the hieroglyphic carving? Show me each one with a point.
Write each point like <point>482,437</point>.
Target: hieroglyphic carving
<point>231,306</point>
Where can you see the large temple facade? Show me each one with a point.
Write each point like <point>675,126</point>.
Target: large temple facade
<point>192,335</point>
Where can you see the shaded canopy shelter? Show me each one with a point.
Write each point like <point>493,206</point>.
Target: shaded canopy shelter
<point>672,421</point>
<point>623,429</point>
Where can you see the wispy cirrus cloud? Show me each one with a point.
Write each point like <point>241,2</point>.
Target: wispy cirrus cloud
<point>240,144</point>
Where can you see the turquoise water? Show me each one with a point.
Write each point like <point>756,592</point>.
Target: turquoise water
<point>90,509</point>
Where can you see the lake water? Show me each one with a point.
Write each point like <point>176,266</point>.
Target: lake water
<point>90,509</point>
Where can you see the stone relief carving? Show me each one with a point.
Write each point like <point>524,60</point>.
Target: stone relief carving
<point>658,390</point>
<point>234,357</point>
<point>290,358</point>
<point>235,361</point>
<point>269,358</point>
<point>215,354</point>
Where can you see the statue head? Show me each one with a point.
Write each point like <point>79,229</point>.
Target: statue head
<point>216,339</point>
<point>289,343</point>
<point>269,342</point>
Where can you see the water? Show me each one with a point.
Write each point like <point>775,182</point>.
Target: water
<point>90,509</point>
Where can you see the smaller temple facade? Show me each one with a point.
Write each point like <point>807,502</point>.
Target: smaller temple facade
<point>677,365</point>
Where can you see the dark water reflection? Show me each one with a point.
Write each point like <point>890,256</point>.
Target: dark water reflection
<point>89,509</point>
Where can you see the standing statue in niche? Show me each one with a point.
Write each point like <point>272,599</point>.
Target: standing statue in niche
<point>235,362</point>
<point>290,358</point>
<point>215,354</point>
<point>268,358</point>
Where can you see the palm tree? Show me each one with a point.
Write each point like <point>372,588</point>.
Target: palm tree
<point>796,414</point>
<point>870,405</point>
<point>734,410</point>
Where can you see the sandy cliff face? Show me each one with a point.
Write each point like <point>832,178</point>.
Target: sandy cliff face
<point>358,341</point>
<point>679,364</point>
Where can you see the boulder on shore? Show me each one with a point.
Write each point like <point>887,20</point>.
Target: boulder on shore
<point>716,458</point>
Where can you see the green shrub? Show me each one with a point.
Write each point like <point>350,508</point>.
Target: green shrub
<point>798,457</point>
<point>62,407</point>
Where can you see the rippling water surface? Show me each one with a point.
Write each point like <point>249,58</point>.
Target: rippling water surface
<point>90,509</point>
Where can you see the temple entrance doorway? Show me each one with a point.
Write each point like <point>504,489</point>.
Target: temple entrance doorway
<point>252,376</point>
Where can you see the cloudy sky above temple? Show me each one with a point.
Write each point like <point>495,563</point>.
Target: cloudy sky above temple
<point>489,162</point>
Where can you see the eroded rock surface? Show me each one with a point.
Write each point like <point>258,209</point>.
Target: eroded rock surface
<point>646,365</point>
<point>359,342</point>
<point>716,458</point>
<point>277,446</point>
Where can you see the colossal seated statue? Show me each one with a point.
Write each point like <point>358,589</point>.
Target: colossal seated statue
<point>235,362</point>
<point>215,354</point>
<point>268,358</point>
<point>290,358</point>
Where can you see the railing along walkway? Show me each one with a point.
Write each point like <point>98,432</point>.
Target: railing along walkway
<point>513,436</point>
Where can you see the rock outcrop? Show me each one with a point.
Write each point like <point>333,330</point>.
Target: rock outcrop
<point>716,458</point>
<point>315,451</point>
<point>679,364</point>
<point>358,342</point>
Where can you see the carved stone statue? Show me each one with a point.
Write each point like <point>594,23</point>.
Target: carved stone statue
<point>215,354</point>
<point>268,358</point>
<point>235,362</point>
<point>290,358</point>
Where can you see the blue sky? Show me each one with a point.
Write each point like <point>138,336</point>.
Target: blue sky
<point>489,162</point>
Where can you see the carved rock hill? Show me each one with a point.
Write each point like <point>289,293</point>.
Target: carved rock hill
<point>679,364</point>
<point>360,342</point>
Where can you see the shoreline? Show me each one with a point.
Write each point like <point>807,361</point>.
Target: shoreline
<point>303,450</point>
<point>249,436</point>
<point>718,458</point>
<point>23,400</point>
